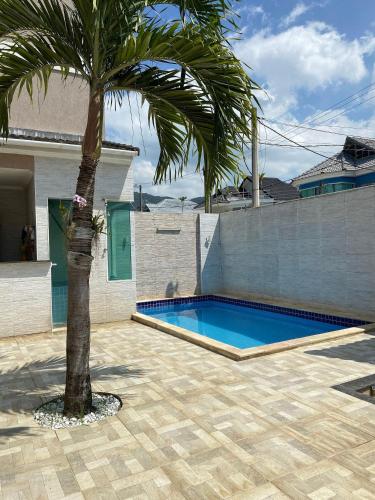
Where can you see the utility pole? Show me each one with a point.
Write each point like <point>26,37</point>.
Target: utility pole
<point>254,158</point>
<point>141,197</point>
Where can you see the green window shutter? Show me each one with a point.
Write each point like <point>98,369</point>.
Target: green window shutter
<point>119,241</point>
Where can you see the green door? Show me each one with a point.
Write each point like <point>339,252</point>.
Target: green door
<point>119,241</point>
<point>58,257</point>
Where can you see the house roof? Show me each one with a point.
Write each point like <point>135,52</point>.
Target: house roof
<point>38,135</point>
<point>171,205</point>
<point>272,189</point>
<point>358,152</point>
<point>146,198</point>
<point>275,188</point>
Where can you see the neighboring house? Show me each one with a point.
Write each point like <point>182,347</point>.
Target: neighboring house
<point>146,198</point>
<point>171,205</point>
<point>272,190</point>
<point>271,187</point>
<point>38,173</point>
<point>353,167</point>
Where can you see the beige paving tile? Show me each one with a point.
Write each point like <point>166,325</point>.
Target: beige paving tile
<point>194,425</point>
<point>327,479</point>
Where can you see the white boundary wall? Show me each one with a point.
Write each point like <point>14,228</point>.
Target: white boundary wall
<point>317,250</point>
<point>314,252</point>
<point>167,254</point>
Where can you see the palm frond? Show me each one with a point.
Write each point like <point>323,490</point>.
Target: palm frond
<point>185,122</point>
<point>210,14</point>
<point>200,106</point>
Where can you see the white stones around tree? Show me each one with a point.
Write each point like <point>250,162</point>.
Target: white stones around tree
<point>51,415</point>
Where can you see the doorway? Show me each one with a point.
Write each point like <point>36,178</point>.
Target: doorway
<point>57,210</point>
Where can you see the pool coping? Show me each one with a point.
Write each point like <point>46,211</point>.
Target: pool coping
<point>235,353</point>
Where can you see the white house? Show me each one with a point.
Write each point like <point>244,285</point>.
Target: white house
<point>38,173</point>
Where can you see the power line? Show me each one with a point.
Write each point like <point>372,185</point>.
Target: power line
<point>349,109</point>
<point>334,160</point>
<point>337,115</point>
<point>306,145</point>
<point>303,127</point>
<point>347,100</point>
<point>294,142</point>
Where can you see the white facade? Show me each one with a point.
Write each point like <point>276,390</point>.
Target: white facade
<point>25,287</point>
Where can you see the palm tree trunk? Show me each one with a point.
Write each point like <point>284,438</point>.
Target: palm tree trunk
<point>78,396</point>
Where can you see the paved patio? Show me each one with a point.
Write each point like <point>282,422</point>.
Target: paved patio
<point>194,424</point>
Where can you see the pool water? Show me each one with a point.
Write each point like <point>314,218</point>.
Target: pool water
<point>236,325</point>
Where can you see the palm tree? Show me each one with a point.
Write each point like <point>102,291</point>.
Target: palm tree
<point>182,200</point>
<point>199,99</point>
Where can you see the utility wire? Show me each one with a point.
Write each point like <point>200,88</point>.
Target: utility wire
<point>306,128</point>
<point>294,142</point>
<point>348,109</point>
<point>307,145</point>
<point>345,110</point>
<point>346,100</point>
<point>334,160</point>
<point>317,129</point>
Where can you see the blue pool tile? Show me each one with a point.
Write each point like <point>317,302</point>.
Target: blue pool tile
<point>338,320</point>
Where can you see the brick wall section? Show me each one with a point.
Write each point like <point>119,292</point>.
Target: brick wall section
<point>25,291</point>
<point>167,263</point>
<point>318,250</point>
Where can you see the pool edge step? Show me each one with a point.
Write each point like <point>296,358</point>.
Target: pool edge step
<point>236,354</point>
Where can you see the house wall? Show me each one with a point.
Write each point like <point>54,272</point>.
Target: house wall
<point>318,250</point>
<point>25,287</point>
<point>25,296</point>
<point>63,109</point>
<point>56,179</point>
<point>167,254</point>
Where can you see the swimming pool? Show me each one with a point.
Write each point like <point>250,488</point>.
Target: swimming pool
<point>239,324</point>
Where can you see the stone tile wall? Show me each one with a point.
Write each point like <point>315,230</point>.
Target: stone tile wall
<point>318,250</point>
<point>25,292</point>
<point>167,254</point>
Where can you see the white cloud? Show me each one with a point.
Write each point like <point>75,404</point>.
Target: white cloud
<point>297,11</point>
<point>253,10</point>
<point>303,58</point>
<point>129,125</point>
<point>309,57</point>
<point>190,185</point>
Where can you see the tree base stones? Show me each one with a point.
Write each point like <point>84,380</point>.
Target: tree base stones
<point>51,415</point>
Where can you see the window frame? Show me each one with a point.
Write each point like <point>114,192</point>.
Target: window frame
<point>334,184</point>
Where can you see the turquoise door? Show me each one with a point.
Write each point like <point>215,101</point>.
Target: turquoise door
<point>58,257</point>
<point>119,241</point>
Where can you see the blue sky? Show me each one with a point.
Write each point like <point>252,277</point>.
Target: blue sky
<point>308,56</point>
